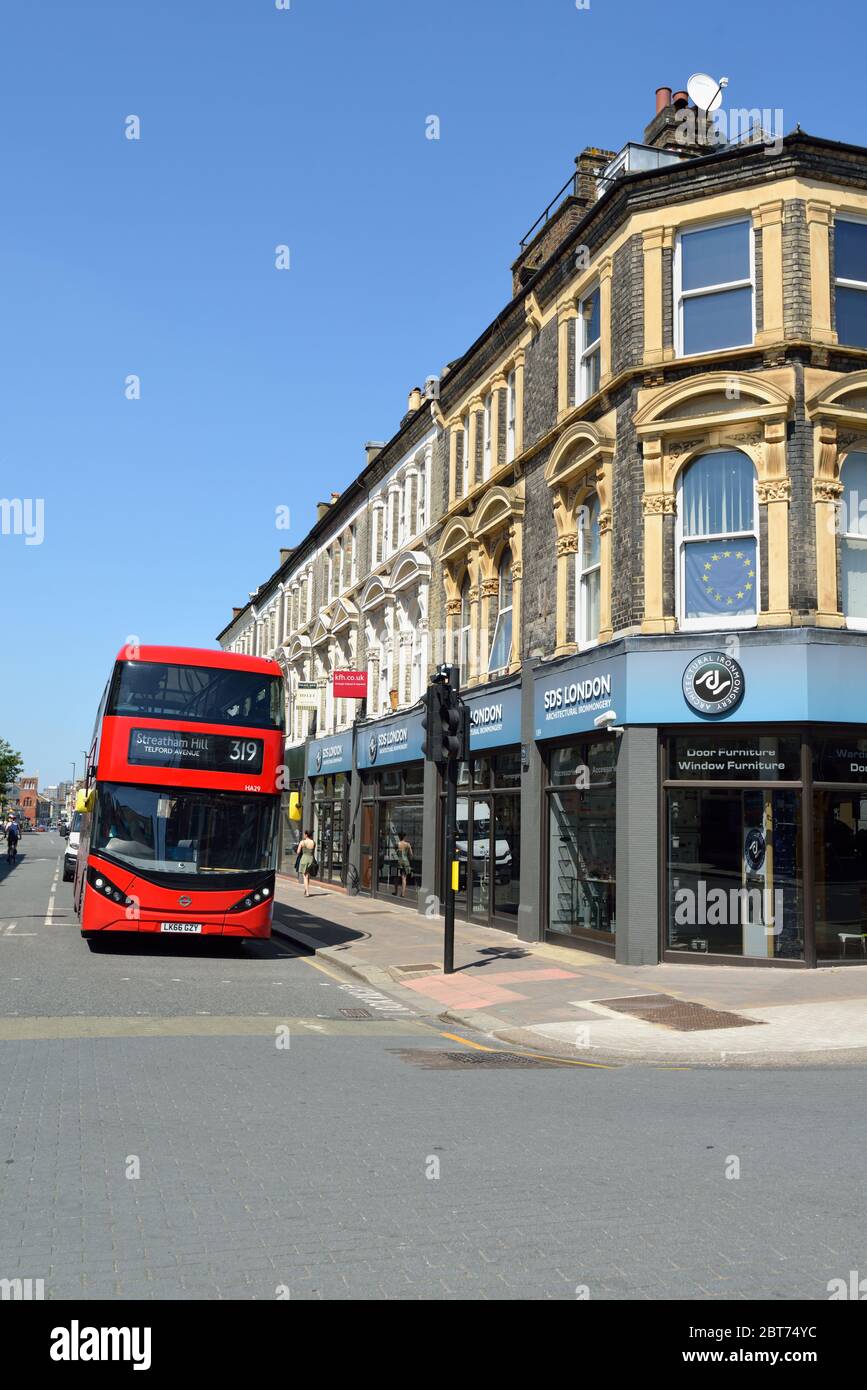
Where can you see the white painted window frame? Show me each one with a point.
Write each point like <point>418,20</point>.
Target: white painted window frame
<point>737,620</point>
<point>680,295</point>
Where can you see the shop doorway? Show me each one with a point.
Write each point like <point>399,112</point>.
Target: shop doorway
<point>488,840</point>
<point>331,800</point>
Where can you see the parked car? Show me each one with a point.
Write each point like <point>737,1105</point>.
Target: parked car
<point>70,853</point>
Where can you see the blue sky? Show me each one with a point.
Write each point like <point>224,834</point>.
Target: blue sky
<point>261,127</point>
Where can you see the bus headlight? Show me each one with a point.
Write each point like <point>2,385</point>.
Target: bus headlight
<point>106,889</point>
<point>254,897</point>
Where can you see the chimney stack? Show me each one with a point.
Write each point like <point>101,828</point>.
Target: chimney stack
<point>372,448</point>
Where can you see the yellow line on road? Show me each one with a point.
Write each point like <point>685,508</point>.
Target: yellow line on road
<point>542,1056</point>
<point>317,965</point>
<point>455,1037</point>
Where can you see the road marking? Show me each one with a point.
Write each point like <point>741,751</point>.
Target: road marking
<point>317,965</point>
<point>542,1056</point>
<point>16,1029</point>
<point>455,1037</point>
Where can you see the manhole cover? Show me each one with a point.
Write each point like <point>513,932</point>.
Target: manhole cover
<point>355,1013</point>
<point>681,1014</point>
<point>414,969</point>
<point>432,1060</point>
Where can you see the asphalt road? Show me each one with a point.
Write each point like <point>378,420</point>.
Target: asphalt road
<point>178,1120</point>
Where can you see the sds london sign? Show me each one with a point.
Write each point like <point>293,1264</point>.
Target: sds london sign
<point>495,719</point>
<point>570,700</point>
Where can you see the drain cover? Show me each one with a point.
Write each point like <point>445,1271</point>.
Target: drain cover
<point>355,1013</point>
<point>414,969</point>
<point>681,1014</point>
<point>433,1060</point>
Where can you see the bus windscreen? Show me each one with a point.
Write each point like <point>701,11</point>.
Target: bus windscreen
<point>156,831</point>
<point>204,694</point>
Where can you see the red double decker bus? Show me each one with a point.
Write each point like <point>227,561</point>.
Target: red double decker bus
<point>181,806</point>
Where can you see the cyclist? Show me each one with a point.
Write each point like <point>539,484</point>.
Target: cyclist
<point>12,837</point>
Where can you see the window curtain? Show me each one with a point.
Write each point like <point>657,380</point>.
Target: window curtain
<point>717,494</point>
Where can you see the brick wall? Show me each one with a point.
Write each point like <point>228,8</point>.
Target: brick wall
<point>627,306</point>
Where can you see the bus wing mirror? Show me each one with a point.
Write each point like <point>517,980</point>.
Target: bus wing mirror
<point>84,800</point>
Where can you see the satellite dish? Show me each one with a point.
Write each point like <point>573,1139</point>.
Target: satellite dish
<point>705,92</point>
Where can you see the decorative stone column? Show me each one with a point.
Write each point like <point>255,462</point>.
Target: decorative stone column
<point>453,622</point>
<point>768,219</point>
<point>827,491</point>
<point>820,220</point>
<point>515,541</point>
<point>519,402</point>
<point>567,548</point>
<point>604,273</point>
<point>774,491</point>
<point>566,317</point>
<point>655,241</point>
<point>472,438</point>
<point>454,426</point>
<point>488,589</point>
<point>658,503</point>
<point>605,527</point>
<point>497,385</point>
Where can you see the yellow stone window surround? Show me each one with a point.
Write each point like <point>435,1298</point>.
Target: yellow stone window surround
<point>472,547</point>
<point>837,406</point>
<point>580,465</point>
<point>671,438</point>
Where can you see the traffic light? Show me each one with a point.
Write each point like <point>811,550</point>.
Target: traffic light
<point>445,719</point>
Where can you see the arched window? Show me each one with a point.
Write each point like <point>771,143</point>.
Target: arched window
<point>588,569</point>
<point>464,634</point>
<point>501,647</point>
<point>853,539</point>
<point>718,570</point>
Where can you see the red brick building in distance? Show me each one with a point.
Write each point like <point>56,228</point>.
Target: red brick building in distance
<point>29,797</point>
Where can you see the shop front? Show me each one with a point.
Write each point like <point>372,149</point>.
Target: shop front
<point>488,843</point>
<point>707,799</point>
<point>329,768</point>
<point>389,756</point>
<point>574,709</point>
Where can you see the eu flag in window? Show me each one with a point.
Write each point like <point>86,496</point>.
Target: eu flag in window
<point>721,578</point>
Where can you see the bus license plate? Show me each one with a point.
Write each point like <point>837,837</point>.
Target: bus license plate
<point>181,926</point>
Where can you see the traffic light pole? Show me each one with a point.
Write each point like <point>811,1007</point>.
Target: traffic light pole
<point>451,865</point>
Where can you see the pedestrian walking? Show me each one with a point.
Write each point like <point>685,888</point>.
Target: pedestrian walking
<point>308,862</point>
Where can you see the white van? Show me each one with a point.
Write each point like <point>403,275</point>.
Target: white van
<point>70,853</point>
